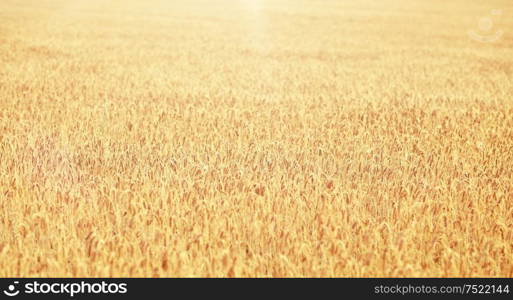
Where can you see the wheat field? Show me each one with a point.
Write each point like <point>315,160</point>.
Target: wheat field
<point>254,138</point>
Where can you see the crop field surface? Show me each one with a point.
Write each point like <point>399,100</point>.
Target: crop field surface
<point>254,138</point>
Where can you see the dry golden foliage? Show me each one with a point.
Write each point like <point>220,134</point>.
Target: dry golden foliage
<point>255,138</point>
